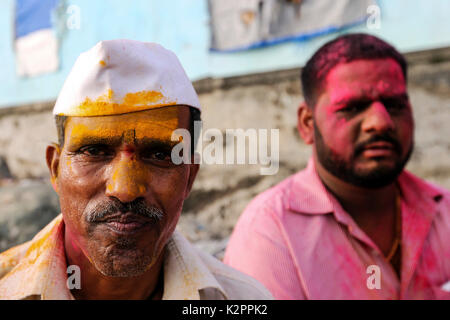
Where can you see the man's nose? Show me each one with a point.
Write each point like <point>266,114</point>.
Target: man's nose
<point>127,179</point>
<point>377,119</point>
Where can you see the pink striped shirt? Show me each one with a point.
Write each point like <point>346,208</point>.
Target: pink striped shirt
<point>299,242</point>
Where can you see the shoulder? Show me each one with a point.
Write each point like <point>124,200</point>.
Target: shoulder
<point>443,200</point>
<point>11,257</point>
<point>423,187</point>
<point>30,250</point>
<point>430,195</point>
<point>273,201</point>
<point>237,285</point>
<point>263,220</point>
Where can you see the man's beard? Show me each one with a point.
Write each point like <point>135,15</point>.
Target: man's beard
<point>347,171</point>
<point>111,261</point>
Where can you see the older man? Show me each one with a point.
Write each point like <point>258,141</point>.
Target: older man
<point>354,224</point>
<point>121,194</point>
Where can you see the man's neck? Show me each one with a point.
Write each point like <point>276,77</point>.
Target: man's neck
<point>373,210</point>
<point>96,286</point>
<point>360,203</point>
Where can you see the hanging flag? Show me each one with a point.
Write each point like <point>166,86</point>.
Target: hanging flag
<point>36,44</point>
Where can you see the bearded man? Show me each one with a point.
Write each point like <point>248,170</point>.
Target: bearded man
<point>121,193</point>
<point>354,224</point>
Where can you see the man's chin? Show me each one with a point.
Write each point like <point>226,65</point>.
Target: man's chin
<point>375,167</point>
<point>376,176</point>
<point>124,263</point>
<point>124,269</point>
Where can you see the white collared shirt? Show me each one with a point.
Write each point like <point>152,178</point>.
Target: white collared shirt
<point>37,270</point>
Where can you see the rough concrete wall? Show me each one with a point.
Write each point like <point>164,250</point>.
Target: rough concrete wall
<point>23,139</point>
<point>221,192</point>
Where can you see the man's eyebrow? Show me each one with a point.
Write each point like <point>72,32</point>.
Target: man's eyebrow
<point>117,140</point>
<point>155,143</point>
<point>344,101</point>
<point>95,140</point>
<point>402,96</point>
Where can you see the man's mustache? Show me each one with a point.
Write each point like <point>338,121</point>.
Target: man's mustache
<point>386,137</point>
<point>103,210</point>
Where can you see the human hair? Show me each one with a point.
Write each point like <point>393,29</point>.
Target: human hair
<point>343,49</point>
<point>195,115</point>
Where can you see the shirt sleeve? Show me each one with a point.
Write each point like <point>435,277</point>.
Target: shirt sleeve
<point>257,248</point>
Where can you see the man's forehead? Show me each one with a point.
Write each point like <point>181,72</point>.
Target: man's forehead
<point>153,124</point>
<point>365,78</point>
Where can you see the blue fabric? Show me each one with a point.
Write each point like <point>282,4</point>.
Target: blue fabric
<point>33,15</point>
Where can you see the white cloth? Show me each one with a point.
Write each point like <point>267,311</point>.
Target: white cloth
<point>121,76</point>
<point>37,53</point>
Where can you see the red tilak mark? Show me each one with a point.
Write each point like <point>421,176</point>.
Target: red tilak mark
<point>128,150</point>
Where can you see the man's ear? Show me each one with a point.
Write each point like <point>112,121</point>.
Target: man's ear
<point>52,156</point>
<point>305,123</point>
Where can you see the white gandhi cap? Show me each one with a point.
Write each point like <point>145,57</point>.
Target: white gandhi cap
<point>121,76</point>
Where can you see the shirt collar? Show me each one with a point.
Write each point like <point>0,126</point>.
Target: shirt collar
<point>418,193</point>
<point>185,274</point>
<point>308,194</point>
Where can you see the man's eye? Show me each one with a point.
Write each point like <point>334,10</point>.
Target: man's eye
<point>354,107</point>
<point>95,151</point>
<point>158,155</point>
<point>395,104</point>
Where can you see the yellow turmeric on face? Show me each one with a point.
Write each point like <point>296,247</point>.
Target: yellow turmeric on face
<point>128,173</point>
<point>108,104</point>
<point>153,124</point>
<point>129,177</point>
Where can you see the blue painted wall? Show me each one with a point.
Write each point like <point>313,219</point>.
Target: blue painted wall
<point>182,26</point>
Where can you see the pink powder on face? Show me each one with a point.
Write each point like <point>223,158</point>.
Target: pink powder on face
<point>365,80</point>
